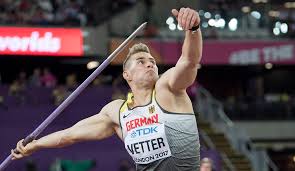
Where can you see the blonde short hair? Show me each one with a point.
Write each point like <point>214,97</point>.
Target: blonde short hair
<point>140,47</point>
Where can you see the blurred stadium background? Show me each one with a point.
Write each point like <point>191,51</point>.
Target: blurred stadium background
<point>244,95</point>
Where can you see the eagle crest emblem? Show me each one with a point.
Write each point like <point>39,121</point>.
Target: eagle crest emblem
<point>152,109</point>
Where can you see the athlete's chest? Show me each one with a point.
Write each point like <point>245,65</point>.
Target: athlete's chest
<point>141,116</point>
<point>144,134</point>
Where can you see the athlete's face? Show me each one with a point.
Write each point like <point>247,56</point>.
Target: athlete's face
<point>141,69</point>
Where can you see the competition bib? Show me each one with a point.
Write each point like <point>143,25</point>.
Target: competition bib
<point>147,143</point>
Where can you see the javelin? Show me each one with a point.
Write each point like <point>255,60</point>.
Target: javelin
<point>72,97</point>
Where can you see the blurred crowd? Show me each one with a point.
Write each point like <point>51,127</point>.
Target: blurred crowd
<point>61,89</point>
<point>255,102</point>
<point>59,12</point>
<point>267,107</point>
<point>43,12</point>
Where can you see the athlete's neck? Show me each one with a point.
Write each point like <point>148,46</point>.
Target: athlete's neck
<point>141,96</point>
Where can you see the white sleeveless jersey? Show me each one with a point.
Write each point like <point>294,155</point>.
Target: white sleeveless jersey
<point>160,140</point>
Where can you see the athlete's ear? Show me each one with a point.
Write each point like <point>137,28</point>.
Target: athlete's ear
<point>126,75</point>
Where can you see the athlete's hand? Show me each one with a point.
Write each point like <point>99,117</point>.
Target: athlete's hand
<point>23,150</point>
<point>186,17</point>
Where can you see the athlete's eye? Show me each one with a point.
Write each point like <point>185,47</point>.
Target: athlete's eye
<point>140,62</point>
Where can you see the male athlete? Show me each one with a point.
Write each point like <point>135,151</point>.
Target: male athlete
<point>157,121</point>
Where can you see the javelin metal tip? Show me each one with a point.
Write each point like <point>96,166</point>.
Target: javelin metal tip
<point>143,24</point>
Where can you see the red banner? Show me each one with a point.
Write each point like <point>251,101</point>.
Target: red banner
<point>41,41</point>
<point>224,52</point>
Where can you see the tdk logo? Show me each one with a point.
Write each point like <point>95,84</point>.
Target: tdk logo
<point>144,131</point>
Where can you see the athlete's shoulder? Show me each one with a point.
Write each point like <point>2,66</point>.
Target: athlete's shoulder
<point>112,109</point>
<point>117,101</point>
<point>115,104</point>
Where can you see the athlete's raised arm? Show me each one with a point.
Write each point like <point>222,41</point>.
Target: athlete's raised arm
<point>184,73</point>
